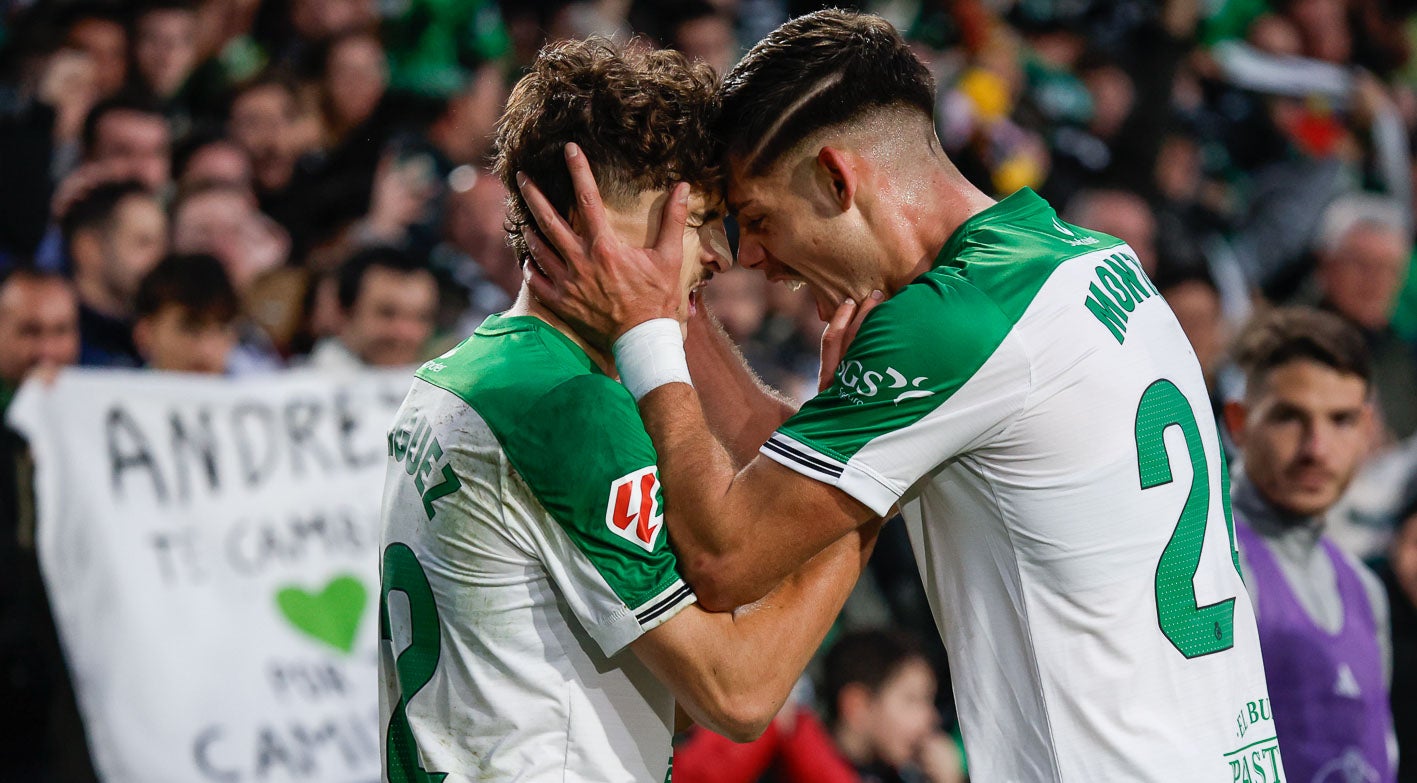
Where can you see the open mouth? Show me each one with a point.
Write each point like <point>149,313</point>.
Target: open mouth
<point>695,295</point>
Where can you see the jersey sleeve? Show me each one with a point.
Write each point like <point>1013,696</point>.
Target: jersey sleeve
<point>584,453</point>
<point>933,373</point>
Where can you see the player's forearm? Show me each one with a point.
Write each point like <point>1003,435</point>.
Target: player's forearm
<point>740,409</point>
<point>697,472</point>
<point>762,653</point>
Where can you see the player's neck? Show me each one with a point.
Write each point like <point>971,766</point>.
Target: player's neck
<point>928,222</point>
<point>527,304</point>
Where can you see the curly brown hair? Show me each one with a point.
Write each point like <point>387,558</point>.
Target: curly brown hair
<point>642,116</point>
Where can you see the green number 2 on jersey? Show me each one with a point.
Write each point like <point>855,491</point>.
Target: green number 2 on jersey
<point>1193,630</point>
<point>402,573</point>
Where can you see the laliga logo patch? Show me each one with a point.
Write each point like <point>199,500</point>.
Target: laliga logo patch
<point>633,512</point>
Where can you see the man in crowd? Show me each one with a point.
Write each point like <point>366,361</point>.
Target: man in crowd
<point>127,138</point>
<point>1363,257</point>
<point>187,315</point>
<point>1011,396</point>
<point>39,326</point>
<point>1323,617</point>
<point>39,331</point>
<point>523,518</point>
<point>222,219</point>
<point>387,301</point>
<point>114,235</point>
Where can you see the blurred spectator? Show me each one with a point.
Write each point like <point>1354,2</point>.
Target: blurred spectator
<point>318,20</point>
<point>128,138</point>
<point>1195,300</point>
<point>40,143</point>
<point>1363,259</point>
<point>387,302</point>
<point>1122,214</point>
<point>44,741</point>
<point>99,31</point>
<point>114,235</point>
<point>187,313</point>
<point>165,46</point>
<point>795,748</point>
<point>1400,578</point>
<point>879,692</point>
<point>464,131</point>
<point>203,160</point>
<point>354,78</point>
<point>39,326</point>
<point>262,120</point>
<point>1322,615</point>
<point>697,28</point>
<point>475,255</point>
<point>222,219</point>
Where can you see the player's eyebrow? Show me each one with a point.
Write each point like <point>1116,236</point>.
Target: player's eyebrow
<point>734,209</point>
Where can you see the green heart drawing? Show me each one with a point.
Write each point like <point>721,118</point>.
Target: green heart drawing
<point>331,615</point>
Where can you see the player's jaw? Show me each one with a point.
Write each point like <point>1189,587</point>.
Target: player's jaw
<point>826,294</point>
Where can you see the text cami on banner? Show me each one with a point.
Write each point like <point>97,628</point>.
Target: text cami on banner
<point>210,547</point>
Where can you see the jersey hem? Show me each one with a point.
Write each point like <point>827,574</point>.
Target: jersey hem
<point>657,610</point>
<point>871,490</point>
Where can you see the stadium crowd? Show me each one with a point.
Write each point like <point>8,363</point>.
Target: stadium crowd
<point>236,187</point>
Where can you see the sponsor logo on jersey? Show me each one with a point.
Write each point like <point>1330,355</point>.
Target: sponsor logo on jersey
<point>1075,241</point>
<point>864,384</point>
<point>633,512</point>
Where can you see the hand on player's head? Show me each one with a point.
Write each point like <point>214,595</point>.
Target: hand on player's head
<point>599,283</point>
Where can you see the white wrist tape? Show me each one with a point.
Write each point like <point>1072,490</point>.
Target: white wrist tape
<point>651,355</point>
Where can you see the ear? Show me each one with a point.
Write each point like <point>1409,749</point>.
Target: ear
<point>83,246</point>
<point>840,170</point>
<point>143,337</point>
<point>853,702</point>
<point>1235,413</point>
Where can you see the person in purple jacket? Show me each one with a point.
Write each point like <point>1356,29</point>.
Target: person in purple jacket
<point>1303,427</point>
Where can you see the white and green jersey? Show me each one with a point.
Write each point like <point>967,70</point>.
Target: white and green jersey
<point>523,549</point>
<point>1035,409</point>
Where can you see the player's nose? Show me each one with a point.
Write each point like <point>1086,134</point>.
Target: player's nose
<point>751,253</point>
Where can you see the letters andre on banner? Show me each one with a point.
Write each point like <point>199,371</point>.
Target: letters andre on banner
<point>209,547</point>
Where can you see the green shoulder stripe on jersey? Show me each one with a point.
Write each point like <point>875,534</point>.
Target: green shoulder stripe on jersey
<point>576,437</point>
<point>921,346</point>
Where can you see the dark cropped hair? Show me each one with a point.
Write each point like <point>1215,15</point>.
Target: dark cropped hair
<point>1282,335</point>
<point>136,103</point>
<point>274,78</point>
<point>868,658</point>
<point>349,281</point>
<point>641,116</point>
<point>196,282</point>
<point>814,72</point>
<point>95,210</point>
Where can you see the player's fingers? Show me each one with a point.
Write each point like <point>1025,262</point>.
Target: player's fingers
<point>670,242</point>
<point>833,339</point>
<point>867,305</point>
<point>587,192</point>
<point>541,286</point>
<point>556,229</point>
<point>545,259</point>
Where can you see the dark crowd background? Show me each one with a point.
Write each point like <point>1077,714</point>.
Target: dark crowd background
<point>241,186</point>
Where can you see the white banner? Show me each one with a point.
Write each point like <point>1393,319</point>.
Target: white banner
<point>210,548</point>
